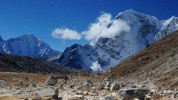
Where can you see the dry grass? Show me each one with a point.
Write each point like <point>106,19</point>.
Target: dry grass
<point>26,79</point>
<point>12,79</point>
<point>143,59</point>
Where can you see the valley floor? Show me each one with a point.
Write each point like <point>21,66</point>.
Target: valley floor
<point>16,86</point>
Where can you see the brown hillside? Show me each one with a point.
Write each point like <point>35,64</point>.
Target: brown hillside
<point>158,63</point>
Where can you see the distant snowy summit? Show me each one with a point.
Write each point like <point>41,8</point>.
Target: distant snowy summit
<point>28,45</point>
<point>105,52</point>
<point>102,52</point>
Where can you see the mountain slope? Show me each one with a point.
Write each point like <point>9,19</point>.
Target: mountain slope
<point>105,52</point>
<point>156,64</point>
<point>12,63</point>
<point>27,45</point>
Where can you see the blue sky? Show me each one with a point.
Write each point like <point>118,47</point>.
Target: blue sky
<point>42,17</point>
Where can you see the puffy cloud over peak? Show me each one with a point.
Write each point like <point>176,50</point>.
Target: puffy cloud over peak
<point>104,26</point>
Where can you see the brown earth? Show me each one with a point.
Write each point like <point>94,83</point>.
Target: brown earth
<point>157,63</point>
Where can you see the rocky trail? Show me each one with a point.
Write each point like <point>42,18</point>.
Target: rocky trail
<point>55,87</point>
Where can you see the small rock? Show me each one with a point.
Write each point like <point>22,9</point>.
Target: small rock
<point>76,97</point>
<point>20,82</point>
<point>108,84</point>
<point>88,83</point>
<point>139,93</point>
<point>48,93</point>
<point>85,93</point>
<point>107,98</point>
<point>93,88</point>
<point>100,87</point>
<point>79,92</point>
<point>2,82</point>
<point>175,95</point>
<point>33,85</point>
<point>115,86</point>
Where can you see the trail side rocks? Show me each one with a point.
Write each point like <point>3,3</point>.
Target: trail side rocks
<point>86,88</point>
<point>2,82</point>
<point>115,86</point>
<point>52,80</point>
<point>88,83</point>
<point>48,93</point>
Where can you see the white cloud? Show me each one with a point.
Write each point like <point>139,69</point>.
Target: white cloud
<point>105,26</point>
<point>65,33</point>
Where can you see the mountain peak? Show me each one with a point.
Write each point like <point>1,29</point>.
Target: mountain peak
<point>129,14</point>
<point>107,52</point>
<point>173,17</point>
<point>28,36</point>
<point>28,45</point>
<point>129,11</point>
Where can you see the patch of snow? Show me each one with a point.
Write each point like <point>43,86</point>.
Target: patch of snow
<point>96,67</point>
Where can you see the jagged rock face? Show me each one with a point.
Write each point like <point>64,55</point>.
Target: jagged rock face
<point>107,52</point>
<point>27,45</point>
<point>73,56</point>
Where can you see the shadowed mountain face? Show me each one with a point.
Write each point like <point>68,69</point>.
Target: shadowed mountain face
<point>157,64</point>
<point>28,45</point>
<point>12,63</point>
<point>105,52</point>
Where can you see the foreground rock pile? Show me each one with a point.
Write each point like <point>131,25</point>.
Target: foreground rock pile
<point>85,88</point>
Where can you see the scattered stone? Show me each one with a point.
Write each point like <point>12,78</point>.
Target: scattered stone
<point>175,94</point>
<point>140,94</point>
<point>85,93</point>
<point>88,83</point>
<point>79,92</point>
<point>100,87</point>
<point>48,93</point>
<point>76,97</point>
<point>20,82</point>
<point>115,86</point>
<point>93,88</point>
<point>147,98</point>
<point>108,84</point>
<point>107,98</point>
<point>51,81</point>
<point>33,85</point>
<point>2,82</point>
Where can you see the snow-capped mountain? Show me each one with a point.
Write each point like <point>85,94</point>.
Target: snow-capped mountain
<point>107,52</point>
<point>27,45</point>
<point>169,26</point>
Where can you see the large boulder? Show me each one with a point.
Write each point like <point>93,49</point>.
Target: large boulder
<point>52,80</point>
